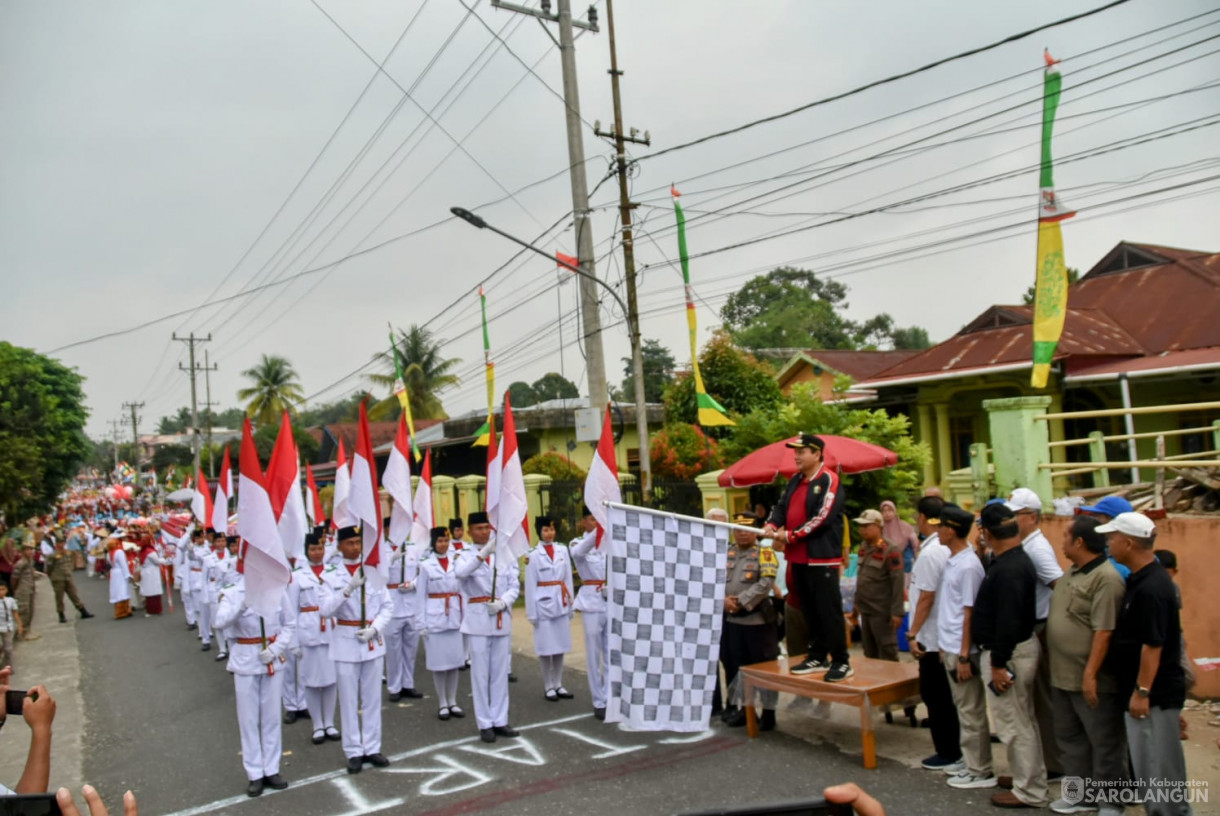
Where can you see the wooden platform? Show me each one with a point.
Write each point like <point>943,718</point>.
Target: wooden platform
<point>874,683</point>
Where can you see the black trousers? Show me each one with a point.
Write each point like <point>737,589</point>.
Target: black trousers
<point>822,606</point>
<point>938,697</point>
<point>744,645</point>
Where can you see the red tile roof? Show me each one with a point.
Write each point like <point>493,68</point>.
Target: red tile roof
<point>859,365</point>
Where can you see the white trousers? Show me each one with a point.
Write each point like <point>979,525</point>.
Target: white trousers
<point>401,646</point>
<point>489,678</point>
<point>203,614</point>
<point>360,684</point>
<point>446,683</point>
<point>258,718</point>
<point>294,689</point>
<point>321,705</point>
<point>188,605</point>
<point>597,652</point>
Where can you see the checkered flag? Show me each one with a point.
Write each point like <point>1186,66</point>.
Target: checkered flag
<point>666,605</point>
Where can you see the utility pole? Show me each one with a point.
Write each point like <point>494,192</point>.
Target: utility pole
<point>207,386</point>
<point>114,438</point>
<point>135,428</point>
<point>595,360</point>
<point>625,208</point>
<point>191,341</point>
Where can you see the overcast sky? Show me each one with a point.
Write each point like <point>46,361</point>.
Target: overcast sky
<point>148,147</point>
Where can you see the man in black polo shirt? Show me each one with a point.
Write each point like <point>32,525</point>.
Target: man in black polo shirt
<point>807,526</point>
<point>1003,628</point>
<point>1145,653</point>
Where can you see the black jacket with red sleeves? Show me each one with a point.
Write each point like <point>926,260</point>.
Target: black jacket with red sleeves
<point>822,532</point>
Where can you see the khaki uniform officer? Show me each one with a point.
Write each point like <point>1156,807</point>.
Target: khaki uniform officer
<point>749,633</point>
<point>879,598</point>
<point>59,570</point>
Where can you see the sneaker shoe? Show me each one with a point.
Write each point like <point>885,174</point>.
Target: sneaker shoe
<point>809,666</point>
<point>968,781</point>
<point>955,768</point>
<point>838,672</point>
<point>1064,806</point>
<point>936,762</point>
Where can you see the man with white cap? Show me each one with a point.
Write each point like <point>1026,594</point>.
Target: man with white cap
<point>1145,654</point>
<point>1028,507</point>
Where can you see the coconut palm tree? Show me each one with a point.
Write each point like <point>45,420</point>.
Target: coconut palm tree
<point>425,373</point>
<point>275,389</point>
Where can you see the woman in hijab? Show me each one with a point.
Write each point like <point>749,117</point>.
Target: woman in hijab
<point>898,532</point>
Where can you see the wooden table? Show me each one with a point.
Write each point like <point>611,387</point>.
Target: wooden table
<point>874,683</point>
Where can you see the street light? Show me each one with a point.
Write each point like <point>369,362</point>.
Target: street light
<point>641,406</point>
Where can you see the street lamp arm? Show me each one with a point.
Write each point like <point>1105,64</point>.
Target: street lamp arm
<point>476,221</point>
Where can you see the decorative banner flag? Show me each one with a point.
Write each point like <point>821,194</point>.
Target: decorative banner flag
<point>1051,284</point>
<point>710,411</point>
<point>486,429</point>
<point>313,507</point>
<point>283,482</point>
<point>513,510</point>
<point>666,606</point>
<point>495,468</point>
<point>397,480</point>
<point>421,530</point>
<point>265,565</point>
<point>201,504</point>
<point>364,501</point>
<point>340,514</point>
<point>567,262</point>
<point>601,484</point>
<point>400,391</point>
<point>224,492</point>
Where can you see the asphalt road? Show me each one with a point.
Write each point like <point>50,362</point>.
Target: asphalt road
<point>161,721</point>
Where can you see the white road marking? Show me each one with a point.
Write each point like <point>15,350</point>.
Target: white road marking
<point>533,756</point>
<point>451,771</point>
<point>360,804</point>
<point>611,750</point>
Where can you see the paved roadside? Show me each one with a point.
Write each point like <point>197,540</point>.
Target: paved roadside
<point>52,661</point>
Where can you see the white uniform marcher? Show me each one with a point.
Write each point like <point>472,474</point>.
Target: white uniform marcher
<point>590,560</point>
<point>488,625</point>
<point>215,566</point>
<point>402,636</point>
<point>150,575</point>
<point>548,606</point>
<point>440,622</point>
<point>256,676</point>
<point>315,669</point>
<point>197,585</point>
<point>357,648</point>
<point>182,581</point>
<point>120,576</point>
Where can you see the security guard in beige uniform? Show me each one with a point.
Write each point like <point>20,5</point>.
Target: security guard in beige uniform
<point>879,598</point>
<point>749,634</point>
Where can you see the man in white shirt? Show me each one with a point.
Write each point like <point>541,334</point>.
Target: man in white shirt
<point>1028,507</point>
<point>924,597</point>
<point>958,587</point>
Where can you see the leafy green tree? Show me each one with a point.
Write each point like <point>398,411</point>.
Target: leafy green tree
<point>426,373</point>
<point>735,378</point>
<point>345,409</point>
<point>1028,297</point>
<point>554,386</point>
<point>912,337</point>
<point>555,465</point>
<point>659,367</point>
<point>522,394</point>
<point>177,423</point>
<point>804,411</point>
<point>42,430</point>
<point>167,455</point>
<point>274,388</point>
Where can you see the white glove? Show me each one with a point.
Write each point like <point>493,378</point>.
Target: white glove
<point>496,607</point>
<point>488,548</point>
<point>266,657</point>
<point>356,581</point>
<point>365,635</point>
<point>297,652</point>
<point>398,555</point>
<point>407,586</point>
<point>423,633</point>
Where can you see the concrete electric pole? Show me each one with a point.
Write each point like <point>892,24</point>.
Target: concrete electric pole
<point>191,342</point>
<point>135,427</point>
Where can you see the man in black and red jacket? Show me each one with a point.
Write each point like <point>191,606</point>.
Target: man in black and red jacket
<point>807,526</point>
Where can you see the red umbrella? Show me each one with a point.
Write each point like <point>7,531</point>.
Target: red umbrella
<point>765,465</point>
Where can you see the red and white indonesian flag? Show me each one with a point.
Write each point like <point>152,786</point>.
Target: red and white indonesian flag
<point>201,503</point>
<point>340,514</point>
<point>266,566</point>
<point>284,489</point>
<point>421,529</point>
<point>601,485</point>
<point>513,511</point>
<point>314,510</point>
<point>363,502</point>
<point>224,493</point>
<point>495,467</point>
<point>398,485</point>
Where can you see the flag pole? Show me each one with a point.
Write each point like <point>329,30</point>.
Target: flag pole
<point>679,517</point>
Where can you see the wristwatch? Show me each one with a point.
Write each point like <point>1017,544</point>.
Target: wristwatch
<point>1143,692</point>
<point>963,659</point>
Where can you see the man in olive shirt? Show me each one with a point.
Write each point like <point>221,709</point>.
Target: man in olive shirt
<point>1087,710</point>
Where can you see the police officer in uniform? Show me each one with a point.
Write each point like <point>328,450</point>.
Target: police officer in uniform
<point>59,570</point>
<point>749,634</point>
<point>879,597</point>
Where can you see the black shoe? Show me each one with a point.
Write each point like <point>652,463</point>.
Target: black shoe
<point>443,714</point>
<point>85,614</point>
<point>505,731</point>
<point>737,719</point>
<point>809,666</point>
<point>838,672</point>
<point>192,626</point>
<point>564,694</point>
<point>290,717</point>
<point>487,734</point>
<point>221,656</point>
<point>255,788</point>
<point>395,696</point>
<point>275,782</point>
<point>768,720</point>
<point>318,737</point>
<point>62,619</point>
<point>911,717</point>
<point>465,666</point>
<point>512,678</point>
<point>889,718</point>
<point>377,760</point>
<point>207,647</point>
<point>412,694</point>
<point>333,734</point>
<point>600,713</point>
<point>457,711</point>
<point>354,764</point>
